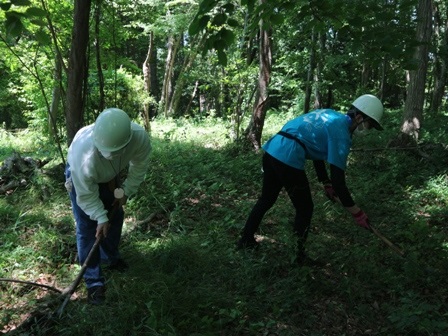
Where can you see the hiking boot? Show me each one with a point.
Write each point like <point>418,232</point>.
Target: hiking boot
<point>119,265</point>
<point>247,244</point>
<point>96,295</point>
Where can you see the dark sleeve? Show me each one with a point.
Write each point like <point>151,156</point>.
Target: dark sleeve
<point>321,171</point>
<point>339,186</point>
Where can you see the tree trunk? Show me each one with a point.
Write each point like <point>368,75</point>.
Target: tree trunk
<point>101,103</point>
<point>55,98</point>
<point>167,87</point>
<point>261,102</point>
<point>180,82</point>
<point>413,110</point>
<point>310,74</point>
<point>318,73</point>
<point>440,72</point>
<point>150,81</point>
<point>77,68</point>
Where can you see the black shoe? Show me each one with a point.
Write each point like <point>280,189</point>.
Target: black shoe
<point>96,295</point>
<point>247,244</point>
<point>119,265</point>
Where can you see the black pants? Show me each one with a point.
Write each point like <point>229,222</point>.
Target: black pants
<point>276,176</point>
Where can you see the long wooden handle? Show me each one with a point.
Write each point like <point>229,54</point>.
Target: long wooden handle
<point>387,241</point>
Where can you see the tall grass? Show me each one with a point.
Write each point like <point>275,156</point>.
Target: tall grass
<point>185,276</point>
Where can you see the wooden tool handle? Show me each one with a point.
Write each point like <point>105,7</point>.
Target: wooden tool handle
<point>387,241</point>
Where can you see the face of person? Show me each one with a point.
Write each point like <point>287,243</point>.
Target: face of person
<point>364,124</point>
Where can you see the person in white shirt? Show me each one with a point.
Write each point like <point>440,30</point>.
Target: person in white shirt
<point>97,155</point>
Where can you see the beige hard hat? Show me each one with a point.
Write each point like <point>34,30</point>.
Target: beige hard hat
<point>112,130</point>
<point>372,107</point>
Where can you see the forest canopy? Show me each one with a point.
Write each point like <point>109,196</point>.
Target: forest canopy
<point>62,63</point>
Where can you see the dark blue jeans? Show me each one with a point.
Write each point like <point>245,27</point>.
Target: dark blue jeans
<point>276,176</point>
<point>86,230</point>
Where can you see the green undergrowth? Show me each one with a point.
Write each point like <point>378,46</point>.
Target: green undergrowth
<point>185,276</point>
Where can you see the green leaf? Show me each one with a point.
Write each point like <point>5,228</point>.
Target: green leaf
<point>5,6</point>
<point>232,22</point>
<point>39,23</point>
<point>42,37</point>
<point>222,57</point>
<point>14,26</point>
<point>277,19</point>
<point>229,8</point>
<point>203,21</point>
<point>219,19</point>
<point>207,5</point>
<point>219,44</point>
<point>21,2</point>
<point>193,29</point>
<point>250,5</point>
<point>227,35</point>
<point>35,11</point>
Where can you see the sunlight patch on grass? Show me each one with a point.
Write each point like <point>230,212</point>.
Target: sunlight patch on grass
<point>21,141</point>
<point>209,133</point>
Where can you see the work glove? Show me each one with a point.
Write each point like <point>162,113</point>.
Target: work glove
<point>362,220</point>
<point>330,193</point>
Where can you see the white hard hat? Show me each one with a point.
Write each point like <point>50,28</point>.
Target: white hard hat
<point>372,107</point>
<point>112,130</point>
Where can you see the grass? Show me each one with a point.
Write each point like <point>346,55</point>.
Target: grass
<point>186,277</point>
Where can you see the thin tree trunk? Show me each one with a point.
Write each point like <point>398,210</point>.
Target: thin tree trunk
<point>101,103</point>
<point>413,110</point>
<point>193,94</point>
<point>440,72</point>
<point>55,99</point>
<point>149,74</point>
<point>167,86</point>
<point>318,73</point>
<point>77,68</point>
<point>180,83</point>
<point>310,74</point>
<point>261,102</point>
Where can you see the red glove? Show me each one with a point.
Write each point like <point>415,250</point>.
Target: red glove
<point>361,219</point>
<point>330,193</point>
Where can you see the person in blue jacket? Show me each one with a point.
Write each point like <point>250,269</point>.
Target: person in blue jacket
<point>323,135</point>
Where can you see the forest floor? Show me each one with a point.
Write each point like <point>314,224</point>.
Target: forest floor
<point>180,234</point>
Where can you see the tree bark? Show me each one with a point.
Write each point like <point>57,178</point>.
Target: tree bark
<point>413,110</point>
<point>180,82</point>
<point>150,81</point>
<point>261,102</point>
<point>310,73</point>
<point>440,72</point>
<point>101,103</point>
<point>167,87</point>
<point>77,68</point>
<point>55,98</point>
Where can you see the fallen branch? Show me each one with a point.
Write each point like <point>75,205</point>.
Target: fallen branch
<point>383,149</point>
<point>54,289</point>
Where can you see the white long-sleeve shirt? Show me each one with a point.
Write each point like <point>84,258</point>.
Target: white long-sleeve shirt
<point>88,168</point>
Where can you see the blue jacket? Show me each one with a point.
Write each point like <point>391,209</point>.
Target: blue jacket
<point>325,134</point>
